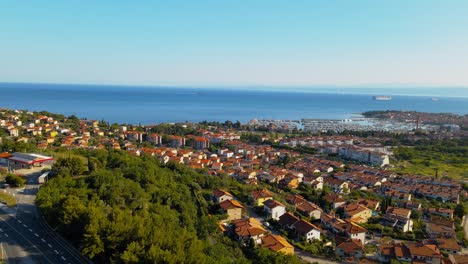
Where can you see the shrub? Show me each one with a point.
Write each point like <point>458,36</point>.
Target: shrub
<point>14,180</point>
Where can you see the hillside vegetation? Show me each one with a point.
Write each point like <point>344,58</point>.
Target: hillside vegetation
<point>132,209</point>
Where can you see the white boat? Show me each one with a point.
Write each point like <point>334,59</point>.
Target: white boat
<point>382,98</point>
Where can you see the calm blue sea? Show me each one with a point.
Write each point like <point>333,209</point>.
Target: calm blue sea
<point>146,105</point>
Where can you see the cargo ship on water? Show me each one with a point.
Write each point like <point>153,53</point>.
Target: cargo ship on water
<point>382,98</point>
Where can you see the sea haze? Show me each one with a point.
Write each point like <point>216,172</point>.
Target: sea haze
<point>144,105</point>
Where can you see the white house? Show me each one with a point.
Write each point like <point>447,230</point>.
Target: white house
<point>274,209</point>
<point>306,230</point>
<point>221,196</point>
<point>398,218</point>
<point>354,231</point>
<point>316,182</point>
<point>14,132</point>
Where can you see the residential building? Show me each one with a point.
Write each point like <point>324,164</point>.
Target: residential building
<point>337,185</point>
<point>444,212</point>
<point>274,209</point>
<point>288,220</point>
<point>458,259</point>
<point>310,210</point>
<point>134,136</point>
<point>371,157</point>
<point>425,253</point>
<point>14,132</point>
<point>449,245</point>
<point>342,227</point>
<point>371,204</point>
<point>335,199</point>
<point>277,243</point>
<point>398,218</point>
<point>155,139</point>
<point>350,248</point>
<point>306,231</point>
<point>221,196</point>
<point>354,231</point>
<point>176,142</point>
<point>232,208</point>
<point>357,213</point>
<point>397,251</point>
<point>436,230</point>
<point>201,143</point>
<point>248,230</point>
<point>258,197</point>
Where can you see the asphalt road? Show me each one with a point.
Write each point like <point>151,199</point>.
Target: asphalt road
<point>26,238</point>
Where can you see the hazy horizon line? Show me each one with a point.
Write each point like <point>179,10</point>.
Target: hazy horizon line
<point>291,88</point>
<point>358,85</point>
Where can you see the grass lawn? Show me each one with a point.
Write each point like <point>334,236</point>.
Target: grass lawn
<point>7,199</point>
<point>425,162</point>
<point>421,168</point>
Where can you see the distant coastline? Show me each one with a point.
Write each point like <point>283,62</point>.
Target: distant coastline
<point>136,104</point>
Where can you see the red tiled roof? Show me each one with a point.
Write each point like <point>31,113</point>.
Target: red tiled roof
<point>272,203</point>
<point>261,194</point>
<point>288,219</point>
<point>230,204</point>
<point>275,242</point>
<point>219,193</point>
<point>350,246</point>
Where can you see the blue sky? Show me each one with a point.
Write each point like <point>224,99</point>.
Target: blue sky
<point>269,43</point>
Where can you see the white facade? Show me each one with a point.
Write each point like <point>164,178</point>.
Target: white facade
<point>275,212</point>
<point>360,236</point>
<point>313,234</point>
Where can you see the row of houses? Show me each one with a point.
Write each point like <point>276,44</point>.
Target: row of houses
<point>248,231</point>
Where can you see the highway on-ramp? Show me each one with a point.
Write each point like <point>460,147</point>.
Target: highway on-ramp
<point>26,238</point>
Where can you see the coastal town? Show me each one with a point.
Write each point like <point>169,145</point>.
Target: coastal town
<point>323,197</point>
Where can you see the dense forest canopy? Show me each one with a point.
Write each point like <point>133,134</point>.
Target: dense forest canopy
<point>132,209</point>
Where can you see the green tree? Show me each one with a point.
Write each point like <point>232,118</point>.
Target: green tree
<point>460,210</point>
<point>14,180</point>
<point>135,210</point>
<point>416,214</point>
<point>70,166</point>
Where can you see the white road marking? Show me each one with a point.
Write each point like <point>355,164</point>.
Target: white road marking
<point>25,225</point>
<point>49,245</point>
<point>18,233</point>
<point>1,230</point>
<point>30,230</point>
<point>56,251</point>
<point>43,240</point>
<point>63,258</point>
<point>6,234</point>
<point>19,221</point>
<point>36,234</point>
